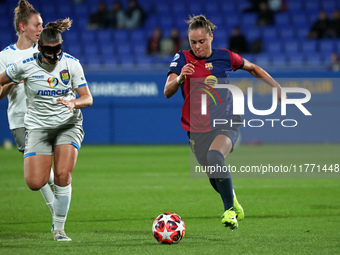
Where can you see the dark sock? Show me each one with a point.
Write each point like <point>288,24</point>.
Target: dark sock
<point>223,180</point>
<point>212,182</point>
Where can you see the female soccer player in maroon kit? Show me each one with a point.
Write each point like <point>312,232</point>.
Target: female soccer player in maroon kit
<point>195,72</point>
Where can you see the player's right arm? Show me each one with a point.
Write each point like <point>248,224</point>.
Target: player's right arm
<point>12,75</point>
<point>6,89</point>
<point>4,84</point>
<point>178,71</point>
<point>174,81</point>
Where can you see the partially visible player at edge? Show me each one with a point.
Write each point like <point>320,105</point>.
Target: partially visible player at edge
<point>53,121</point>
<point>28,25</point>
<point>211,145</point>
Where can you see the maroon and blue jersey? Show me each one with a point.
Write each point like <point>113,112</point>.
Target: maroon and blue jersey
<point>208,72</point>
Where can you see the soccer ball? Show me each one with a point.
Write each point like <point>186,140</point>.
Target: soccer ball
<point>168,228</point>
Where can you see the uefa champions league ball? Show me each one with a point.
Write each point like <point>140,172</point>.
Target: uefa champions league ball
<point>168,228</point>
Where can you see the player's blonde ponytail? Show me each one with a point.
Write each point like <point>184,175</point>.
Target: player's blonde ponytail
<point>59,25</point>
<point>52,31</point>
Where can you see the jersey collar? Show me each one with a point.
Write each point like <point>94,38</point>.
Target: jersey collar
<point>192,53</point>
<point>14,46</point>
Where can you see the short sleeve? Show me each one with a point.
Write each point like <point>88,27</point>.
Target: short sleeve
<point>15,71</point>
<point>237,61</point>
<point>177,63</point>
<point>77,76</point>
<point>2,65</point>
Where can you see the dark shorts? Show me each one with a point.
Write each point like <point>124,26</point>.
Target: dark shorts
<point>200,142</point>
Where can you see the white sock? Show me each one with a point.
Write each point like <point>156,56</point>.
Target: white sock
<point>48,192</point>
<point>48,195</point>
<point>61,205</point>
<point>51,180</point>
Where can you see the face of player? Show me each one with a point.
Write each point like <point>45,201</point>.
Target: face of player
<point>200,42</point>
<point>33,28</point>
<point>51,54</point>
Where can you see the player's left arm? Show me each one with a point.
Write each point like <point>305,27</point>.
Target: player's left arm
<point>80,85</point>
<point>260,73</point>
<point>84,100</point>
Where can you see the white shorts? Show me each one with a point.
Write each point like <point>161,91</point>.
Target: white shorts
<point>43,141</point>
<point>19,137</point>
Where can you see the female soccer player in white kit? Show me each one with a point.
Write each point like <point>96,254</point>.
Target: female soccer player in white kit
<point>53,120</point>
<point>28,25</point>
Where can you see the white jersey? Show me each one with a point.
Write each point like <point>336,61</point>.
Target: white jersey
<point>43,87</point>
<point>16,97</point>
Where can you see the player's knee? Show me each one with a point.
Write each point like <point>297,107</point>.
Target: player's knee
<point>62,178</point>
<point>34,185</point>
<point>214,158</point>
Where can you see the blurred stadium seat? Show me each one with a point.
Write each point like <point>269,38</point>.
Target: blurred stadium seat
<point>296,60</point>
<point>121,36</point>
<point>75,50</point>
<point>107,50</point>
<point>299,20</point>
<point>292,47</point>
<point>262,60</point>
<point>88,36</point>
<point>270,33</point>
<point>327,46</point>
<point>104,35</point>
<point>312,6</point>
<point>295,6</point>
<point>195,8</point>
<point>253,34</point>
<point>274,47</point>
<point>309,47</point>
<point>287,34</point>
<point>279,60</point>
<point>282,20</point>
<point>314,60</point>
<point>285,43</point>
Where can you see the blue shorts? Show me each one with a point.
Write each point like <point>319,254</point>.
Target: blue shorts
<point>201,142</point>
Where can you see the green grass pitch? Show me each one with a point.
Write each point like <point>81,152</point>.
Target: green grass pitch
<point>119,190</point>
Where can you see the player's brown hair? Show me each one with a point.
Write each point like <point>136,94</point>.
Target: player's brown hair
<point>200,21</point>
<point>52,31</point>
<point>22,13</point>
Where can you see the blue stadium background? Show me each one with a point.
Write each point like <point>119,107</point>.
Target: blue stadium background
<point>129,106</point>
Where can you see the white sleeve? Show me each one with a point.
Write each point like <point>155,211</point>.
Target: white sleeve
<point>15,71</point>
<point>78,77</point>
<point>2,64</point>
